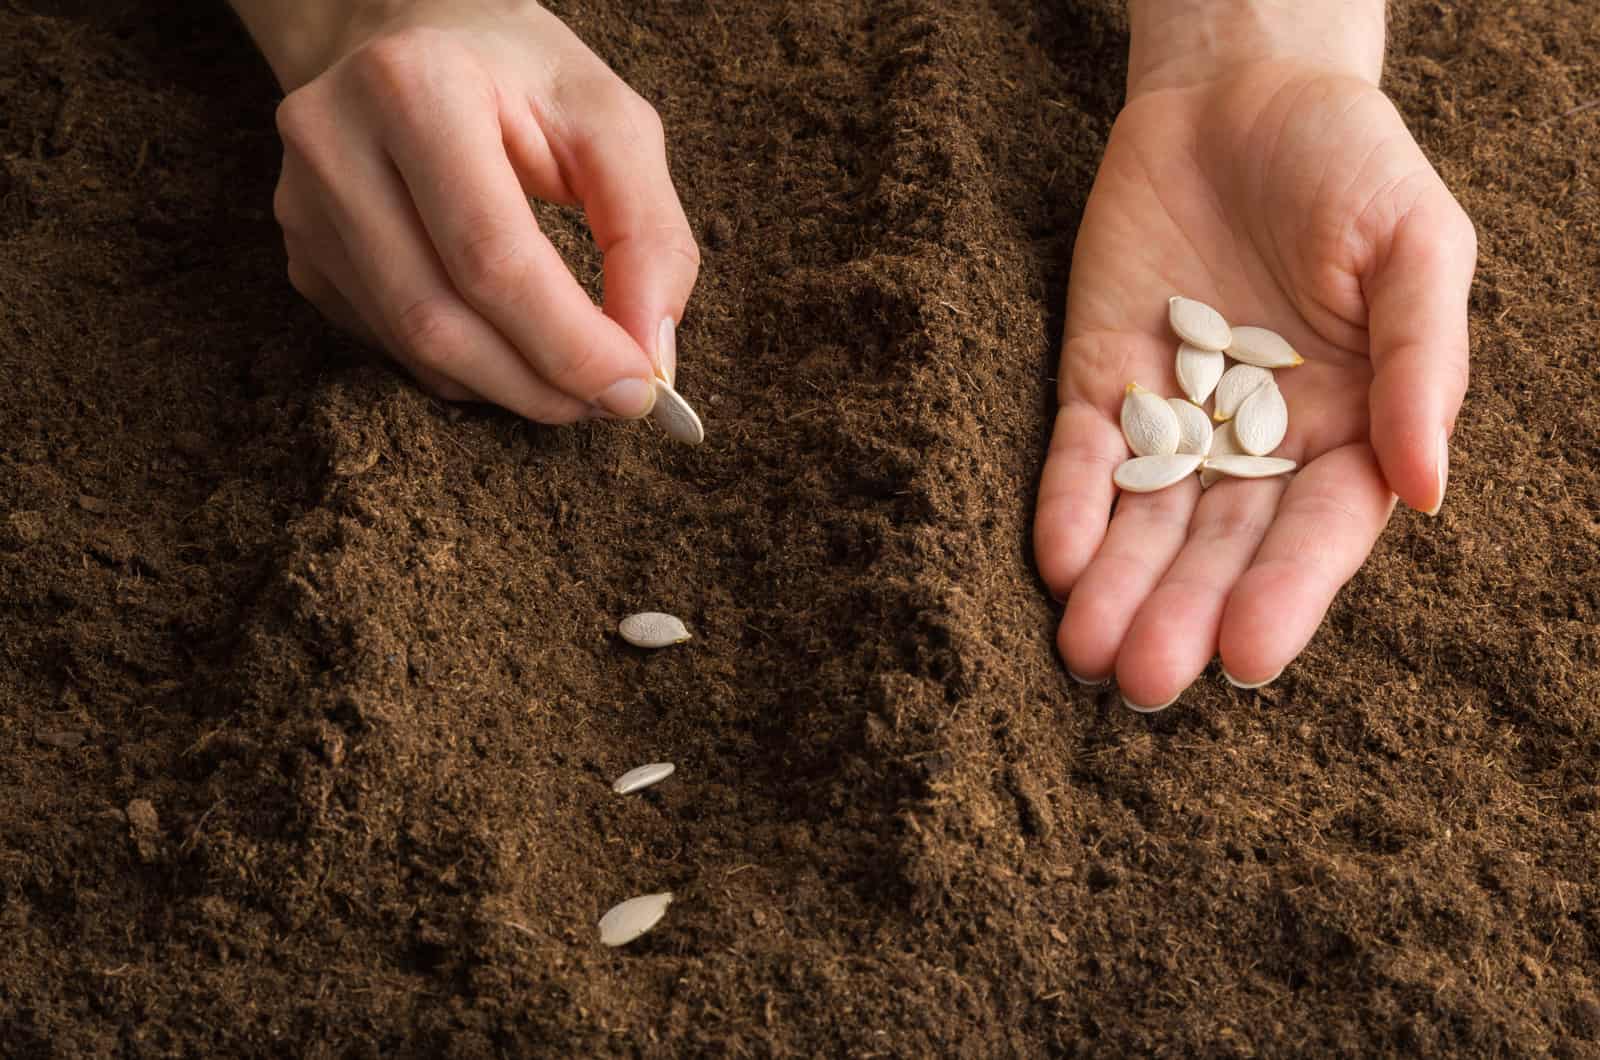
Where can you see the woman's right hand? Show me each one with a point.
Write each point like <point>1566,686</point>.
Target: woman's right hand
<point>414,135</point>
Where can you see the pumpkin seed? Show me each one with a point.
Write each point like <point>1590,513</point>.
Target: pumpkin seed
<point>1198,371</point>
<point>1223,443</point>
<point>1246,466</point>
<point>1263,348</point>
<point>1262,421</point>
<point>1147,474</point>
<point>676,416</point>
<point>625,922</point>
<point>1238,383</point>
<point>1148,423</point>
<point>642,777</point>
<point>1194,427</point>
<point>1198,324</point>
<point>652,629</point>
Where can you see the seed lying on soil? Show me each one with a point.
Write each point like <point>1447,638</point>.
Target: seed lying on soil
<point>1198,324</point>
<point>1147,474</point>
<point>652,629</point>
<point>1249,466</point>
<point>642,777</point>
<point>1223,443</point>
<point>1148,423</point>
<point>1238,383</point>
<point>627,921</point>
<point>676,416</point>
<point>1263,348</point>
<point>1198,371</point>
<point>1262,421</point>
<point>1194,427</point>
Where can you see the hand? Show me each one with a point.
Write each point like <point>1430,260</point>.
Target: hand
<point>1290,196</point>
<point>413,136</point>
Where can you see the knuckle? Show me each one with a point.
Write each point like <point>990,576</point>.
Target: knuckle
<point>394,62</point>
<point>680,242</point>
<point>490,263</point>
<point>429,331</point>
<point>300,120</point>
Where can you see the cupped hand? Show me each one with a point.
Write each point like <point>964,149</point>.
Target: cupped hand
<point>408,164</point>
<point>1294,199</point>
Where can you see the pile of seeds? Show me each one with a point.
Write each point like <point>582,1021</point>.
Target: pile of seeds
<point>628,920</point>
<point>1172,438</point>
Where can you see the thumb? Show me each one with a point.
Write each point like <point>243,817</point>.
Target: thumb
<point>1417,317</point>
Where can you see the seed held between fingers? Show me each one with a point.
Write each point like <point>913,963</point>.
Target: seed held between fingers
<point>676,416</point>
<point>1137,709</point>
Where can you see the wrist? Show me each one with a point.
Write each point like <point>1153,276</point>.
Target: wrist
<point>301,38</point>
<point>1181,43</point>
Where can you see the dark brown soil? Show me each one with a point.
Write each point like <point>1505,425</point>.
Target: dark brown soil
<point>309,695</point>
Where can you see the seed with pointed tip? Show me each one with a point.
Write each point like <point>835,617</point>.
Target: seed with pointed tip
<point>1249,466</point>
<point>642,777</point>
<point>1263,348</point>
<point>676,416</point>
<point>1194,427</point>
<point>1148,423</point>
<point>1198,371</point>
<point>1238,383</point>
<point>1262,421</point>
<point>1198,324</point>
<point>1146,474</point>
<point>652,629</point>
<point>627,921</point>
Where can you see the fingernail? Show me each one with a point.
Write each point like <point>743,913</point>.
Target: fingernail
<point>667,350</point>
<point>1137,709</point>
<point>1444,470</point>
<point>1087,681</point>
<point>631,399</point>
<point>1236,683</point>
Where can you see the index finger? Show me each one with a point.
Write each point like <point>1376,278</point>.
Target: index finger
<point>450,150</point>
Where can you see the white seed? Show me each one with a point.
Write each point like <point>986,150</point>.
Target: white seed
<point>644,776</point>
<point>1238,383</point>
<point>1146,474</point>
<point>652,629</point>
<point>1262,421</point>
<point>1148,423</point>
<point>1249,466</point>
<point>1194,427</point>
<point>627,921</point>
<point>1198,371</point>
<point>1223,443</point>
<point>1198,324</point>
<point>676,416</point>
<point>1263,348</point>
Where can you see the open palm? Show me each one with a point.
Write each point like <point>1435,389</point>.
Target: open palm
<point>1293,199</point>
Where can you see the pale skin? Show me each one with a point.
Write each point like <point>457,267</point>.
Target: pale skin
<point>1256,166</point>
